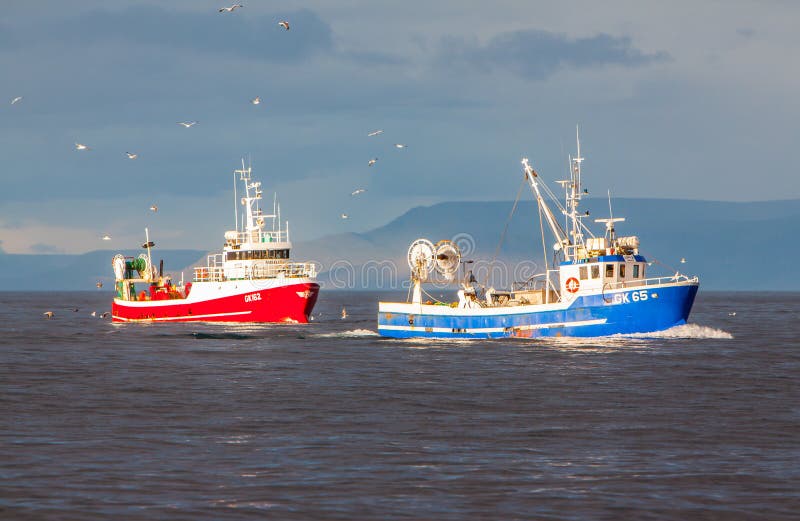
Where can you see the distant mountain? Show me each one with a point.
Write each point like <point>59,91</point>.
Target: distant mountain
<point>731,246</point>
<point>79,272</point>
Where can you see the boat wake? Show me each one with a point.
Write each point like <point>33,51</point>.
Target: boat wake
<point>353,333</point>
<point>684,331</point>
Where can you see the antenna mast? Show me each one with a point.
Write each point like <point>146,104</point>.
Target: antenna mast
<point>575,194</point>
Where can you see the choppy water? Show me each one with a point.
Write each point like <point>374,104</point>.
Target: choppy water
<point>329,421</point>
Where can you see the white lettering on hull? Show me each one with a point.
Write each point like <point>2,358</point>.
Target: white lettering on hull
<point>253,297</point>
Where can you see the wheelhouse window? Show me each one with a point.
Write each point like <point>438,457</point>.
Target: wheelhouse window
<point>635,271</point>
<point>609,271</point>
<point>622,271</point>
<point>257,255</point>
<point>595,271</point>
<point>583,273</point>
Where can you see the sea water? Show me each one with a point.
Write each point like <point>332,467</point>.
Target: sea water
<point>330,421</point>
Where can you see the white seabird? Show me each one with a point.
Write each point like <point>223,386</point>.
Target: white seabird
<point>81,146</point>
<point>153,208</point>
<point>106,237</point>
<point>230,9</point>
<point>345,216</point>
<point>358,191</point>
<point>375,133</point>
<point>256,100</point>
<point>16,100</point>
<point>285,24</point>
<point>48,314</point>
<point>131,155</point>
<point>187,124</point>
<point>400,145</point>
<point>372,161</point>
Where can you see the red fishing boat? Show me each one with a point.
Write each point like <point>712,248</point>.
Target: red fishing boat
<point>252,280</point>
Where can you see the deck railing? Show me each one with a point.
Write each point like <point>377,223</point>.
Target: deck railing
<point>260,236</point>
<point>265,269</point>
<point>649,282</point>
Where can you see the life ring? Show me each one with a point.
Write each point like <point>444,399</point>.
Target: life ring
<point>573,285</point>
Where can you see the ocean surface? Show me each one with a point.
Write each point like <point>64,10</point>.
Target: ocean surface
<point>329,421</point>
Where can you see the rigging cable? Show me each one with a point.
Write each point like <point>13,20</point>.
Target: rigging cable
<point>505,229</point>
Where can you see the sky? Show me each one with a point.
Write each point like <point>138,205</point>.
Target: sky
<point>683,99</point>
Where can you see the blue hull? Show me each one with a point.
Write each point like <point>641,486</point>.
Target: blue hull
<point>632,310</point>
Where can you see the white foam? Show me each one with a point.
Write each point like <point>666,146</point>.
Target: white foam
<point>685,331</point>
<point>353,333</point>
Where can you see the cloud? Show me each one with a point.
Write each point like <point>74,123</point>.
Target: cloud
<point>257,37</point>
<point>537,54</point>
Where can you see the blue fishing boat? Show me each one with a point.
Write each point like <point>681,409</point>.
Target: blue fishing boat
<point>596,285</point>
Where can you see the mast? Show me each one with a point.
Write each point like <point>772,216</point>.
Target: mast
<point>558,232</point>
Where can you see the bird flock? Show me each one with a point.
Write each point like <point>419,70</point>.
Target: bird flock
<point>370,163</point>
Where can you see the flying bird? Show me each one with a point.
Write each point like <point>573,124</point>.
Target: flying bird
<point>256,100</point>
<point>106,237</point>
<point>375,133</point>
<point>48,314</point>
<point>132,155</point>
<point>81,146</point>
<point>345,216</point>
<point>372,161</point>
<point>230,9</point>
<point>285,24</point>
<point>400,145</point>
<point>16,100</point>
<point>99,284</point>
<point>93,314</point>
<point>683,261</point>
<point>187,124</point>
<point>344,313</point>
<point>153,208</point>
<point>358,191</point>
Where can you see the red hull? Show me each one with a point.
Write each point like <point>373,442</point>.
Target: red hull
<point>290,303</point>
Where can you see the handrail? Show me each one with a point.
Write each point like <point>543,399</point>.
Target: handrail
<point>651,281</point>
<point>262,270</point>
<point>260,236</point>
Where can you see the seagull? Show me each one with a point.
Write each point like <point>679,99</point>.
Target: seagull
<point>400,145</point>
<point>106,237</point>
<point>132,155</point>
<point>358,191</point>
<point>256,100</point>
<point>344,313</point>
<point>48,314</point>
<point>187,124</point>
<point>683,261</point>
<point>93,314</point>
<point>732,314</point>
<point>81,146</point>
<point>99,284</point>
<point>375,133</point>
<point>230,9</point>
<point>284,24</point>
<point>153,208</point>
<point>372,161</point>
<point>345,216</point>
<point>15,100</point>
